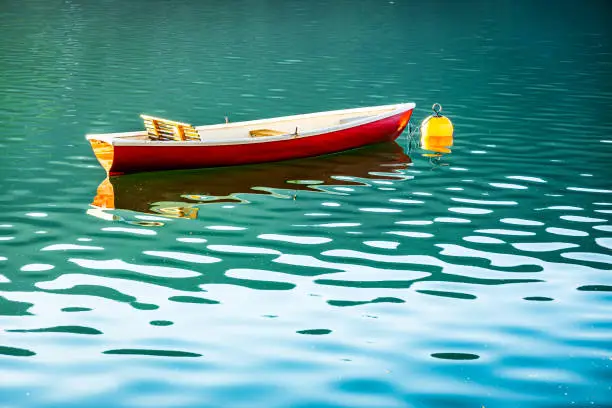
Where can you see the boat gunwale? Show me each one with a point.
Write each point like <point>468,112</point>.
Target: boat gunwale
<point>117,139</point>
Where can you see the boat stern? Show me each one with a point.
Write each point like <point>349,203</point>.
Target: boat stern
<point>404,117</point>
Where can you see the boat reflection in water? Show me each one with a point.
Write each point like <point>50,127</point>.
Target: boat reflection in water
<point>180,193</point>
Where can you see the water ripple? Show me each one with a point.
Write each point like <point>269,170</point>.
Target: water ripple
<point>183,256</point>
<point>118,264</point>
<point>295,239</point>
<point>324,281</point>
<point>152,352</point>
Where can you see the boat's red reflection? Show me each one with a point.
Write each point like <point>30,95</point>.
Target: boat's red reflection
<point>174,192</point>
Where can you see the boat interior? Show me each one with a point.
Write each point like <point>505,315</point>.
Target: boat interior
<point>163,129</point>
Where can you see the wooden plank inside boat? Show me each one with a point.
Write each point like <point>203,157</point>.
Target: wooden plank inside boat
<point>266,132</point>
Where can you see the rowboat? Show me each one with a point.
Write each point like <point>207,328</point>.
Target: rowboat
<point>180,193</point>
<point>169,145</point>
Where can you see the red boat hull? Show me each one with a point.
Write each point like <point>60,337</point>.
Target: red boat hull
<point>123,159</point>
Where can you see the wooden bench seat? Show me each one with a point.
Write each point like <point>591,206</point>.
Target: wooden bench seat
<point>164,129</point>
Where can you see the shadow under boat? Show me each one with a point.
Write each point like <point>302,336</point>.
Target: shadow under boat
<point>177,193</point>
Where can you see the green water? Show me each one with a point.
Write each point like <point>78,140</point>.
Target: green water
<point>376,278</point>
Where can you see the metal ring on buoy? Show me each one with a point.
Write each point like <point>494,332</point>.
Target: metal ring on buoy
<point>437,108</point>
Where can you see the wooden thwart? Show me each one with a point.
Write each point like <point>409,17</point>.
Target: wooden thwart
<point>266,132</point>
<point>164,129</point>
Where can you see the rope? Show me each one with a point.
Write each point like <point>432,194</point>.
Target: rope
<point>412,132</point>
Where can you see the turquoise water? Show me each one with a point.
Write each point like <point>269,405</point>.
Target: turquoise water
<point>377,278</point>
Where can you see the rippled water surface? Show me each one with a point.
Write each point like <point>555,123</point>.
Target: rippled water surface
<point>382,277</point>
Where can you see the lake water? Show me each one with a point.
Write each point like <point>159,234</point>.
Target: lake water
<point>382,277</point>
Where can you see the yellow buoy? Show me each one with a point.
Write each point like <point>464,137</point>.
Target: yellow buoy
<point>437,131</point>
